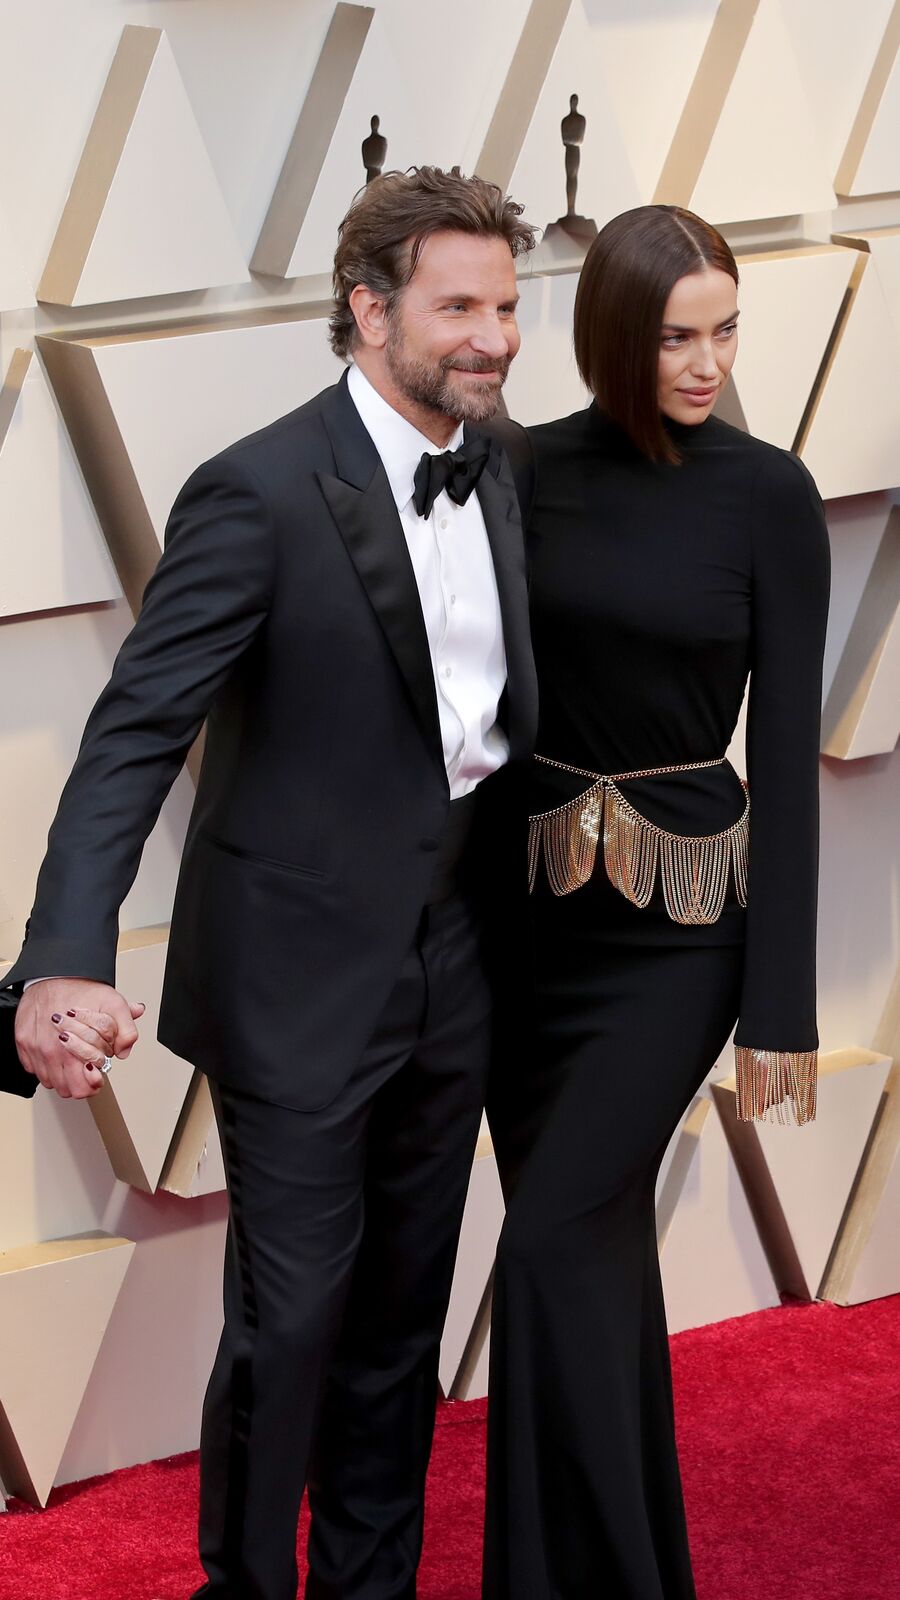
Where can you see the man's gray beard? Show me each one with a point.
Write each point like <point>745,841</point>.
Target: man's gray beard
<point>429,385</point>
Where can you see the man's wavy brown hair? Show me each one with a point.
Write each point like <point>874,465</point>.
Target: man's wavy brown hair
<point>381,237</point>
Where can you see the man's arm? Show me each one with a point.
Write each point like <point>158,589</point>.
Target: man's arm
<point>201,610</point>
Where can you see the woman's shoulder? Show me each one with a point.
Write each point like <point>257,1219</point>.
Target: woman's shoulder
<point>548,438</point>
<point>773,470</point>
<point>765,457</point>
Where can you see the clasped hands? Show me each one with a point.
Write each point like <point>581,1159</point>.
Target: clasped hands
<point>65,1027</point>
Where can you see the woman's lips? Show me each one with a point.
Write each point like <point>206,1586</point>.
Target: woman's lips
<point>699,397</point>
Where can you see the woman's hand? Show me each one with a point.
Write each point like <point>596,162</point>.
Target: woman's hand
<point>66,1027</point>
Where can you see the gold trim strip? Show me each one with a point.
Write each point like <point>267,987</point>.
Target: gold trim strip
<point>869,106</point>
<point>110,477</point>
<point>521,90</point>
<point>705,102</point>
<point>11,392</point>
<point>97,167</point>
<point>831,350</point>
<point>876,616</point>
<point>313,133</point>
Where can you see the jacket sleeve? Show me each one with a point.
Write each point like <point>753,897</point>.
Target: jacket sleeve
<point>776,1039</point>
<point>209,595</point>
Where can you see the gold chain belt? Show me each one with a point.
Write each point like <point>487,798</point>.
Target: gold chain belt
<point>694,869</point>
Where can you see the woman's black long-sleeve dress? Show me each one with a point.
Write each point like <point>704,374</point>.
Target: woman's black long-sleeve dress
<point>655,589</point>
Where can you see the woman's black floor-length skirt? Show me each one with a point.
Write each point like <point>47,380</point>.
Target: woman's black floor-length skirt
<point>584,1496</point>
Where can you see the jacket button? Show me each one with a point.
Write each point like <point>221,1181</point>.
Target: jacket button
<point>429,843</point>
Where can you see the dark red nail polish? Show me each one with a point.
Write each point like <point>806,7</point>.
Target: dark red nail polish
<point>64,1037</point>
<point>70,1013</point>
<point>56,1018</point>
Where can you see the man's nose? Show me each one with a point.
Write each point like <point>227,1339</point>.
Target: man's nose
<point>491,337</point>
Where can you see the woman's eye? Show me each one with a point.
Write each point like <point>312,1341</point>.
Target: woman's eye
<point>672,341</point>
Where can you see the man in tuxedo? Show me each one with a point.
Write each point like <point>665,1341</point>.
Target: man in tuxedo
<point>342,600</point>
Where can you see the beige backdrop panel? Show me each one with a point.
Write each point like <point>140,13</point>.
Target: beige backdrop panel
<point>52,553</point>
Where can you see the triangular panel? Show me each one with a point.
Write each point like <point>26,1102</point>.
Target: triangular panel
<point>790,300</point>
<point>315,129</point>
<point>871,161</point>
<point>194,1164</point>
<point>649,55</point>
<point>605,181</point>
<point>482,1221</point>
<point>380,66</point>
<point>866,1260</point>
<point>845,458</point>
<point>632,72</point>
<point>145,215</point>
<point>884,245</point>
<point>747,94</point>
<point>144,411</point>
<point>56,1300</point>
<point>861,716</point>
<point>713,1264</point>
<point>52,552</point>
<point>798,1187</point>
<point>835,63</point>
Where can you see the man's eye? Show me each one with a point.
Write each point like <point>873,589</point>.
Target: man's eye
<point>726,332</point>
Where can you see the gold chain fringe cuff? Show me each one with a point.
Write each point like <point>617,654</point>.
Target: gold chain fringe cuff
<point>694,869</point>
<point>776,1085</point>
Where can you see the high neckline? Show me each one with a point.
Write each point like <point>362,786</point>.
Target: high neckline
<point>685,435</point>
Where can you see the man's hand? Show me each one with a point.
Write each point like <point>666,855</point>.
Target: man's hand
<point>66,1026</point>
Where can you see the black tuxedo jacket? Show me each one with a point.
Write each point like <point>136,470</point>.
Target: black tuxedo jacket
<point>285,612</point>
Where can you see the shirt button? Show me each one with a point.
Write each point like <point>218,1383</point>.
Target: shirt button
<point>448,672</point>
<point>453,599</point>
<point>443,522</point>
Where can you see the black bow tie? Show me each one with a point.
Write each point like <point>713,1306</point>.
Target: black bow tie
<point>457,471</point>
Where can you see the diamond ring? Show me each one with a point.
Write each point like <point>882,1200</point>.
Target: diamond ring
<point>107,1064</point>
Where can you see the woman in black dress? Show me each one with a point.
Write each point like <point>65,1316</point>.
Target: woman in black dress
<point>671,555</point>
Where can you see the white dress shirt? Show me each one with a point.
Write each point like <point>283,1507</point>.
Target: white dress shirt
<point>451,559</point>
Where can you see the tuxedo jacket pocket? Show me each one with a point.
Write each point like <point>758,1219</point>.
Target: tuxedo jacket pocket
<point>295,868</point>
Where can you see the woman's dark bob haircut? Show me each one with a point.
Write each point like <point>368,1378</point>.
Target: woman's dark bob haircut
<point>628,274</point>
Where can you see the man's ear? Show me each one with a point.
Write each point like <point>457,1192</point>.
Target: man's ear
<point>371,322</point>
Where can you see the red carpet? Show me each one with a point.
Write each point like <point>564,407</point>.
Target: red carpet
<point>789,1428</point>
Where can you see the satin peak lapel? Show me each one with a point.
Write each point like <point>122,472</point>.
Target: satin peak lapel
<point>500,509</point>
<point>373,534</point>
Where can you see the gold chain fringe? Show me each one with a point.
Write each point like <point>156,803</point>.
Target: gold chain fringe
<point>773,1083</point>
<point>694,870</point>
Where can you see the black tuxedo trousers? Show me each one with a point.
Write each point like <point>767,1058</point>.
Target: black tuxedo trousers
<point>342,1240</point>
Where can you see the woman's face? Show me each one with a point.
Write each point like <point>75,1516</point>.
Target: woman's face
<point>698,344</point>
